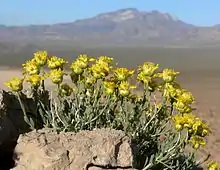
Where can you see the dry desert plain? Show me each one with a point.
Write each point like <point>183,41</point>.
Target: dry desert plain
<point>200,74</point>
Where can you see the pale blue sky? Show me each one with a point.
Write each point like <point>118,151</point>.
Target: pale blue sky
<point>23,12</point>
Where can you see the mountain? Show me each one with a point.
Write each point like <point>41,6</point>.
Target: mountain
<point>122,27</point>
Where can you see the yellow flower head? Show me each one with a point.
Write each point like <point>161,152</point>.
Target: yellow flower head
<point>40,58</point>
<point>100,70</point>
<point>109,87</point>
<point>213,166</point>
<point>56,76</point>
<point>194,125</point>
<point>148,68</point>
<point>186,97</point>
<point>197,141</point>
<point>124,88</point>
<point>85,60</point>
<point>184,121</point>
<point>200,128</point>
<point>178,127</point>
<point>77,67</point>
<point>182,107</point>
<point>80,64</point>
<point>105,59</point>
<point>172,90</point>
<point>65,90</point>
<point>143,78</point>
<point>122,74</point>
<point>169,75</point>
<point>31,67</point>
<point>34,80</point>
<point>15,84</point>
<point>55,62</point>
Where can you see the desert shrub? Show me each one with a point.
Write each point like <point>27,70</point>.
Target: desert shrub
<point>157,116</point>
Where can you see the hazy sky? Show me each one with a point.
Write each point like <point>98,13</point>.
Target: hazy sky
<point>22,12</point>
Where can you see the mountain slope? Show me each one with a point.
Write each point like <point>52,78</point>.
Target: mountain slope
<point>125,26</point>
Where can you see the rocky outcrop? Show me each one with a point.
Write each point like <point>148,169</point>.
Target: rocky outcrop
<point>86,150</point>
<point>11,125</point>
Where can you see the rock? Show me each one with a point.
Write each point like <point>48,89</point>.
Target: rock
<point>11,125</point>
<point>86,150</point>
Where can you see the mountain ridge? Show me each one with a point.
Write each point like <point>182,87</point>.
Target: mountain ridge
<point>127,26</point>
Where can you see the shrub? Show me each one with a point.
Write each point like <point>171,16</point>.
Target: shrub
<point>157,116</point>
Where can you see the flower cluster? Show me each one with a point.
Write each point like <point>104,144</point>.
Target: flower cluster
<point>32,71</point>
<point>119,83</point>
<point>147,75</point>
<point>56,62</point>
<point>102,67</point>
<point>80,64</point>
<point>15,84</point>
<point>213,166</point>
<point>195,127</point>
<point>121,80</point>
<point>180,98</point>
<point>122,74</point>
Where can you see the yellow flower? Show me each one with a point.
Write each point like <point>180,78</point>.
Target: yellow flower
<point>56,75</point>
<point>109,87</point>
<point>184,121</point>
<point>122,74</point>
<point>65,90</point>
<point>31,67</point>
<point>100,70</point>
<point>168,75</point>
<point>55,62</point>
<point>200,128</point>
<point>148,81</point>
<point>171,90</point>
<point>178,127</point>
<point>186,97</point>
<point>193,124</point>
<point>15,84</point>
<point>124,88</point>
<point>34,80</point>
<point>205,132</point>
<point>85,60</point>
<point>77,67</point>
<point>182,107</point>
<point>148,68</point>
<point>197,142</point>
<point>143,78</point>
<point>213,166</point>
<point>80,64</point>
<point>105,59</point>
<point>40,58</point>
